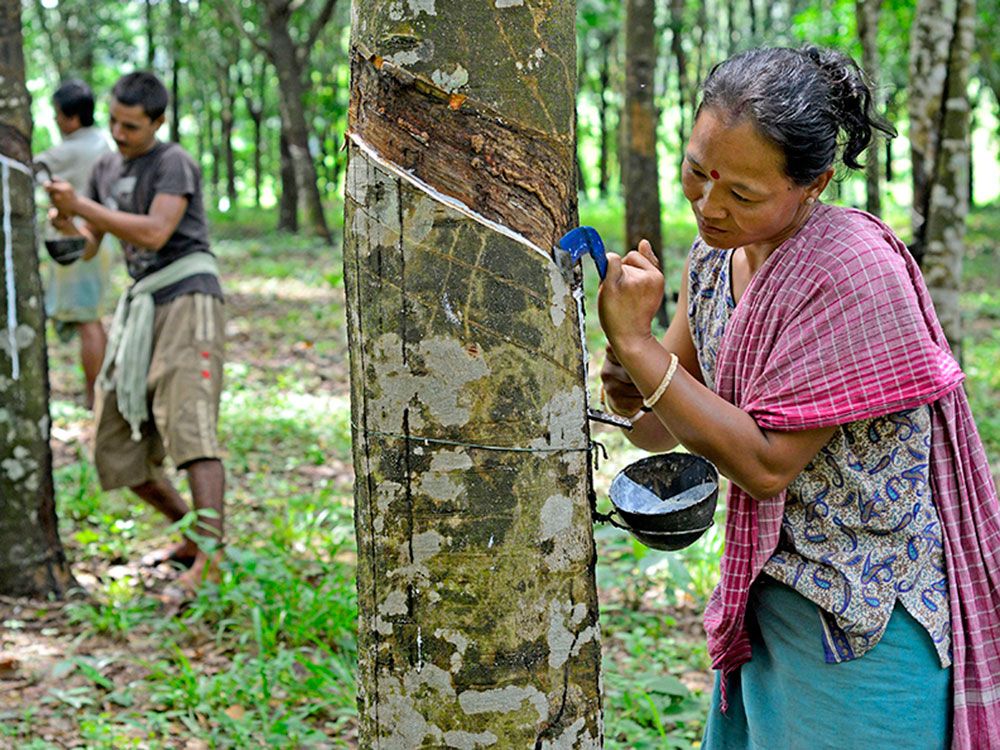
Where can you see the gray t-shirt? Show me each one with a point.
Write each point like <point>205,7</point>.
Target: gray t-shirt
<point>130,185</point>
<point>73,159</point>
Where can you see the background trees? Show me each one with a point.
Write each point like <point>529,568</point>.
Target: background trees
<point>268,657</point>
<point>259,79</point>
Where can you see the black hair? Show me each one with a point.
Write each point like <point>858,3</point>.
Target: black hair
<point>144,89</point>
<point>74,98</point>
<point>801,100</point>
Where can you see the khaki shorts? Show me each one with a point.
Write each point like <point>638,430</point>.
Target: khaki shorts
<point>184,386</point>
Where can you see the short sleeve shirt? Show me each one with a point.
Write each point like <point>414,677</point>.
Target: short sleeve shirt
<point>130,185</point>
<point>73,159</point>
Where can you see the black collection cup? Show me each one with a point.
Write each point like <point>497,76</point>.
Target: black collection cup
<point>666,501</point>
<point>65,250</point>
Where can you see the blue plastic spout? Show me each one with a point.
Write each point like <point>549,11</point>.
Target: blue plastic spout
<point>585,241</point>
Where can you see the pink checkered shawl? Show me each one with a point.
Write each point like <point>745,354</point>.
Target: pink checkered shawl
<point>837,326</point>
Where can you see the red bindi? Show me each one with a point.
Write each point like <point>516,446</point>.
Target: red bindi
<point>715,175</point>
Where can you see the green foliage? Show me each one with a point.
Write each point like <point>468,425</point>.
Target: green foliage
<point>981,320</point>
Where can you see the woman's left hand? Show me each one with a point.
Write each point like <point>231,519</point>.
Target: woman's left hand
<point>629,296</point>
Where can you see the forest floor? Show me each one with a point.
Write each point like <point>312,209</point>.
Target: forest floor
<point>265,658</point>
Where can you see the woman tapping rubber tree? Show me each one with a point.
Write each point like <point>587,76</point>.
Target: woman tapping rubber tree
<point>859,601</point>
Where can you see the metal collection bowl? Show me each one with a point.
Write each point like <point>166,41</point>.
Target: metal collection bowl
<point>66,250</point>
<point>666,501</point>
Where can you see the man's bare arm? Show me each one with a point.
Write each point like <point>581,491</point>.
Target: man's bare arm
<point>150,231</point>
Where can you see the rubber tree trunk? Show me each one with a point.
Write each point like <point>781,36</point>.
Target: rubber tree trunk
<point>604,85</point>
<point>940,52</point>
<point>478,609</point>
<point>288,214</point>
<point>227,123</point>
<point>255,109</point>
<point>257,115</point>
<point>291,93</point>
<point>868,12</point>
<point>32,562</point>
<point>683,84</point>
<point>176,26</point>
<point>640,166</point>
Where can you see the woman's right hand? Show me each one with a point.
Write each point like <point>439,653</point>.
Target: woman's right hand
<point>620,394</point>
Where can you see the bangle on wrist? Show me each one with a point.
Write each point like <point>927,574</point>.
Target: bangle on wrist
<point>668,376</point>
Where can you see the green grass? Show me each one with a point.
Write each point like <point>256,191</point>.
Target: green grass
<point>266,657</point>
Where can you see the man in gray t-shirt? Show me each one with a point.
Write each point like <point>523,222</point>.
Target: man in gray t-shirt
<point>148,194</point>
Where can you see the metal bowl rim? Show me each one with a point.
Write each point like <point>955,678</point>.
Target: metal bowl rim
<point>702,530</point>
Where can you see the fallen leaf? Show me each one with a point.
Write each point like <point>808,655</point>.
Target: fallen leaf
<point>8,665</point>
<point>236,712</point>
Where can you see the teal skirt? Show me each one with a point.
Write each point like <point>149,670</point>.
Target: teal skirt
<point>788,698</point>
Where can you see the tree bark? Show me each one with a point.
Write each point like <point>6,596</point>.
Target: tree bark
<point>889,171</point>
<point>32,562</point>
<point>255,108</point>
<point>227,122</point>
<point>291,91</point>
<point>868,12</point>
<point>478,609</point>
<point>640,165</point>
<point>176,22</point>
<point>288,201</point>
<point>215,148</point>
<point>940,53</point>
<point>604,82</point>
<point>150,36</point>
<point>683,83</point>
<point>70,37</point>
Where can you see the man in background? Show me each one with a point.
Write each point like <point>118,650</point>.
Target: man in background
<point>74,293</point>
<point>158,393</point>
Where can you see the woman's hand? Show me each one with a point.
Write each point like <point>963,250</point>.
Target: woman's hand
<point>620,394</point>
<point>629,296</point>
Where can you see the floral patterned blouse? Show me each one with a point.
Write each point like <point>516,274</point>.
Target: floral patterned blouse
<point>860,530</point>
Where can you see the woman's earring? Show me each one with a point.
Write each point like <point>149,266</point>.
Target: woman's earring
<point>810,200</point>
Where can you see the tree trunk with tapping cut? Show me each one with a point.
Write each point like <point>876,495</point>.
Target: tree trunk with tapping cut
<point>32,562</point>
<point>478,610</point>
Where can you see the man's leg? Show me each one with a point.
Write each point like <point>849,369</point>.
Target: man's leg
<point>186,376</point>
<point>93,341</point>
<point>162,495</point>
<point>207,479</point>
